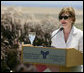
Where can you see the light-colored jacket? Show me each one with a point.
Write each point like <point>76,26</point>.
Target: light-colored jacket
<point>75,40</point>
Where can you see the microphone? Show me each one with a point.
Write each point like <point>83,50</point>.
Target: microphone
<point>61,28</point>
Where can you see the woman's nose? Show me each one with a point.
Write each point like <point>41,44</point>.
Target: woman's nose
<point>62,19</point>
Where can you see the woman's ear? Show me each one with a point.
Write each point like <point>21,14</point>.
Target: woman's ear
<point>71,21</point>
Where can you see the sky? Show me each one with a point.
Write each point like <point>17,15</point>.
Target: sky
<point>75,4</point>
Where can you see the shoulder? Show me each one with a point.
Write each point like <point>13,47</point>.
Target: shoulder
<point>78,31</point>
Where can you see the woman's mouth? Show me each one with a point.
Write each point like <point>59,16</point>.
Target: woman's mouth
<point>63,23</point>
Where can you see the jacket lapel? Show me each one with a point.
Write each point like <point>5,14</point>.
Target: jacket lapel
<point>71,36</point>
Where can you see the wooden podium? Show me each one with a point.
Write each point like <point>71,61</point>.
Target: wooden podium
<point>63,59</point>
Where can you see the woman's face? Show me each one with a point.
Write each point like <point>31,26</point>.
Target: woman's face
<point>65,20</point>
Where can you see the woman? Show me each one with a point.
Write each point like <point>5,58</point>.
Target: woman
<point>68,36</point>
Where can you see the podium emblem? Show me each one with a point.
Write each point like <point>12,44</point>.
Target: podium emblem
<point>44,54</point>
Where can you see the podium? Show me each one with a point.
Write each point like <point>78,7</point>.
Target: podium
<point>62,58</point>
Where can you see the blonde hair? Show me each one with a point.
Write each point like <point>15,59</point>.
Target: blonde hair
<point>69,10</point>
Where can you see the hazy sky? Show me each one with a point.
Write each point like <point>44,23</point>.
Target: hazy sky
<point>77,4</point>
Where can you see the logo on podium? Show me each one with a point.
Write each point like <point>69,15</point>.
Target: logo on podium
<point>44,54</point>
